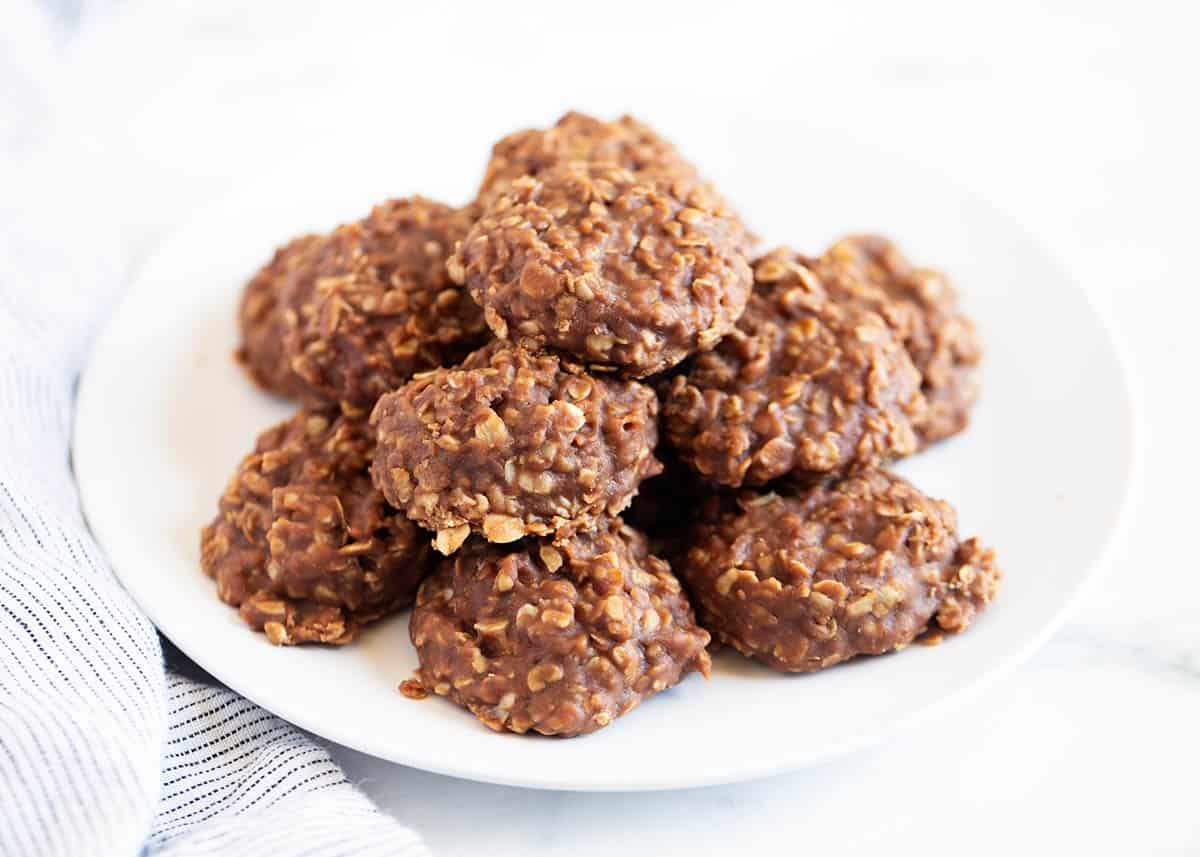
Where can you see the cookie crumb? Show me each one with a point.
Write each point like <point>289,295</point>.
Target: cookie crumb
<point>413,689</point>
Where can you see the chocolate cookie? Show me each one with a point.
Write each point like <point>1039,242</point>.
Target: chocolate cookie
<point>303,543</point>
<point>261,319</point>
<point>578,137</point>
<point>558,638</point>
<point>618,269</point>
<point>803,386</point>
<point>511,444</point>
<point>809,577</point>
<point>922,307</point>
<point>365,307</point>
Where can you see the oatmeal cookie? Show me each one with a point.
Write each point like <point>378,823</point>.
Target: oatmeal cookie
<point>921,305</point>
<point>366,306</point>
<point>578,137</point>
<point>261,321</point>
<point>303,543</point>
<point>803,386</point>
<point>379,305</point>
<point>617,269</point>
<point>803,578</point>
<point>511,444</point>
<point>555,638</point>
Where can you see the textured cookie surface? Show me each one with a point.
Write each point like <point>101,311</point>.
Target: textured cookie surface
<point>920,304</point>
<point>261,319</point>
<point>511,444</point>
<point>558,638</point>
<point>361,309</point>
<point>625,142</point>
<point>303,543</point>
<point>616,268</point>
<point>805,578</point>
<point>804,385</point>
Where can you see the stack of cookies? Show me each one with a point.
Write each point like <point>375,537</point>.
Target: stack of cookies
<point>586,431</point>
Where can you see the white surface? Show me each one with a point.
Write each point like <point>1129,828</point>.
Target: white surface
<point>163,415</point>
<point>1075,117</point>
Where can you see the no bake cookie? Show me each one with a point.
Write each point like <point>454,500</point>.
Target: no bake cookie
<point>511,444</point>
<point>355,313</point>
<point>556,638</point>
<point>804,386</point>
<point>804,578</point>
<point>614,268</point>
<point>303,544</point>
<point>922,306</point>
<point>576,136</point>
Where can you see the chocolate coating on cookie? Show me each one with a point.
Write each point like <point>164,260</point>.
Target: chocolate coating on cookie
<point>368,305</point>
<point>261,319</point>
<point>803,386</point>
<point>921,305</point>
<point>303,543</point>
<point>806,578</point>
<point>380,305</point>
<point>578,137</point>
<point>614,268</point>
<point>511,444</point>
<point>556,638</point>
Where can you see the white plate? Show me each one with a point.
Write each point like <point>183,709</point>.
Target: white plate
<point>164,417</point>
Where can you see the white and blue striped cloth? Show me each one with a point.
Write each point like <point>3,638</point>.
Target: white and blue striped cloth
<point>104,749</point>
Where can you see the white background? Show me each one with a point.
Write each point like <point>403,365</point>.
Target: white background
<point>1078,119</point>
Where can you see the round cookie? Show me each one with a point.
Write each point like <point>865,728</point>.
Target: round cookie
<point>303,543</point>
<point>803,386</point>
<point>368,305</point>
<point>578,137</point>
<point>555,638</point>
<point>618,269</point>
<point>807,578</point>
<point>922,306</point>
<point>511,444</point>
<point>380,306</point>
<point>261,322</point>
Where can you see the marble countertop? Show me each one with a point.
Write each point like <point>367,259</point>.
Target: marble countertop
<point>1078,118</point>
